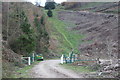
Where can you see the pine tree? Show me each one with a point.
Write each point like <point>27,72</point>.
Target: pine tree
<point>26,43</point>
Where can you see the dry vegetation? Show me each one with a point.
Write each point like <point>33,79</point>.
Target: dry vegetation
<point>16,15</point>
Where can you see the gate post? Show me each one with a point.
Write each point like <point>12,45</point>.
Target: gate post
<point>33,57</point>
<point>73,57</point>
<point>62,59</point>
<point>65,57</point>
<point>76,57</point>
<point>28,60</point>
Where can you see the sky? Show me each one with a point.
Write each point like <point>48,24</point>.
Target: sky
<point>43,1</point>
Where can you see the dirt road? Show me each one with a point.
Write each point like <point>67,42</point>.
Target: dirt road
<point>52,69</point>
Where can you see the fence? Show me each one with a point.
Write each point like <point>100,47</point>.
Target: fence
<point>28,60</point>
<point>73,58</point>
<point>70,59</point>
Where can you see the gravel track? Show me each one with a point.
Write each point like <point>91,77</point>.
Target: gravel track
<point>52,69</point>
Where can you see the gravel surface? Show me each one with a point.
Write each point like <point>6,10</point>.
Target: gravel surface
<point>52,69</point>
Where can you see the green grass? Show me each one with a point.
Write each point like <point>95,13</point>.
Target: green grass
<point>24,72</point>
<point>66,38</point>
<point>79,69</point>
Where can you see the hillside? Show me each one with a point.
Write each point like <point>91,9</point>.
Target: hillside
<point>99,30</point>
<point>92,34</point>
<point>84,31</point>
<point>89,30</point>
<point>24,32</point>
<point>104,7</point>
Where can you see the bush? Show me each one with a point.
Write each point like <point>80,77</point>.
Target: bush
<point>42,20</point>
<point>49,13</point>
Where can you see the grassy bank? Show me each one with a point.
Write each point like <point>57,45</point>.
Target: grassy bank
<point>66,39</point>
<point>24,72</point>
<point>79,69</point>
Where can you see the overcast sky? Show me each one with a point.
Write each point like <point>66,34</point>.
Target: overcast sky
<point>43,1</point>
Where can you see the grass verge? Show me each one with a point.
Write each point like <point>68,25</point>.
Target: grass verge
<point>79,69</point>
<point>24,72</point>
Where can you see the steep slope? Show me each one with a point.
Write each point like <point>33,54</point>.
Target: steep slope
<point>93,34</point>
<point>88,30</point>
<point>106,7</point>
<point>24,32</point>
<point>97,22</point>
<point>62,39</point>
<point>100,30</point>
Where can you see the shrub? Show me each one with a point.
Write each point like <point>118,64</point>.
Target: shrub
<point>42,20</point>
<point>49,13</point>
